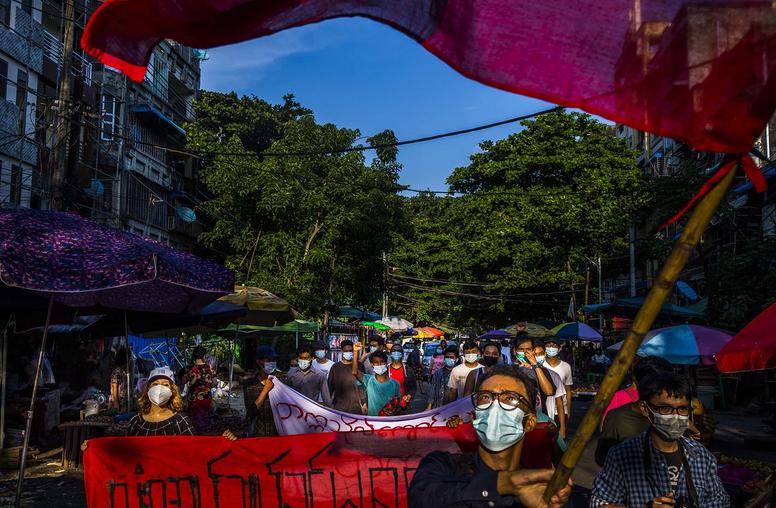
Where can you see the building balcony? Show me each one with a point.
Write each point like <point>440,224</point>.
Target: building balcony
<point>54,50</point>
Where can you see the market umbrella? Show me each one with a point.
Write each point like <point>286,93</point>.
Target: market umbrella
<point>576,331</point>
<point>77,262</point>
<point>628,307</point>
<point>685,344</point>
<point>358,313</point>
<point>378,326</point>
<point>435,332</point>
<point>496,335</point>
<point>532,329</point>
<point>263,307</point>
<point>420,333</point>
<point>296,327</point>
<point>395,323</point>
<point>753,348</point>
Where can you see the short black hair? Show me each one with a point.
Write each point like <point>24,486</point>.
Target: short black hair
<point>346,342</point>
<point>517,374</point>
<point>451,349</point>
<point>469,344</point>
<point>490,343</point>
<point>304,348</point>
<point>377,339</point>
<point>198,353</point>
<point>537,342</point>
<point>672,384</point>
<point>525,338</point>
<point>378,354</point>
<point>320,345</point>
<point>551,339</point>
<point>397,344</point>
<point>644,366</point>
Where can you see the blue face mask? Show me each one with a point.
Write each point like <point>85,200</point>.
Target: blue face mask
<point>396,356</point>
<point>320,353</point>
<point>552,352</point>
<point>304,364</point>
<point>439,351</point>
<point>540,359</point>
<point>347,355</point>
<point>498,429</point>
<point>449,362</point>
<point>381,369</point>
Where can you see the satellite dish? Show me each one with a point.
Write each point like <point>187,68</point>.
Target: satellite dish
<point>186,214</point>
<point>686,290</point>
<point>95,189</point>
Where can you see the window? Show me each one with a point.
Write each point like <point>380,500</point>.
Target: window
<point>27,6</point>
<point>15,195</point>
<point>5,12</point>
<point>150,68</point>
<point>109,116</point>
<point>21,100</point>
<point>3,79</point>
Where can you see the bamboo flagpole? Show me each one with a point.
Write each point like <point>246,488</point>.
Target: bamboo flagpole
<point>649,310</point>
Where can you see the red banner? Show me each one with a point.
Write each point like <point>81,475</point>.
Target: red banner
<point>330,469</point>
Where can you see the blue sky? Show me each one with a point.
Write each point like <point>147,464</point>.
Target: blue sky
<point>357,73</point>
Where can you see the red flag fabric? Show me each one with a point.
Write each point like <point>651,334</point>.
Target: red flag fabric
<point>323,469</point>
<point>753,348</point>
<point>700,71</point>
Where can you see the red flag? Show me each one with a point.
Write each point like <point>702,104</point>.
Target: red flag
<point>694,70</point>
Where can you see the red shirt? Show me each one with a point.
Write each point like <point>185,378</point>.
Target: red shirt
<point>398,375</point>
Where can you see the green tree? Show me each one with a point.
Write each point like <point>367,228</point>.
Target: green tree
<point>536,205</point>
<point>310,228</point>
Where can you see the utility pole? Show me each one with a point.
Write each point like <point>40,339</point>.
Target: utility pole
<point>62,130</point>
<point>600,286</point>
<point>385,286</point>
<point>573,294</point>
<point>632,242</point>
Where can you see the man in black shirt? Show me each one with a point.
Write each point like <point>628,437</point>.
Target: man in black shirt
<point>345,395</point>
<point>504,412</point>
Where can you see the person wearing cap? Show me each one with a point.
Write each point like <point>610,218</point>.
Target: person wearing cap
<point>159,409</point>
<point>321,363</point>
<point>256,390</point>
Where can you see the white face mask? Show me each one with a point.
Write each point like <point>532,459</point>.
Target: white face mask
<point>269,367</point>
<point>381,369</point>
<point>670,427</point>
<point>540,359</point>
<point>552,352</point>
<point>159,394</point>
<point>305,364</point>
<point>471,357</point>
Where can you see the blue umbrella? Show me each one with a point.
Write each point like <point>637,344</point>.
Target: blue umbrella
<point>576,331</point>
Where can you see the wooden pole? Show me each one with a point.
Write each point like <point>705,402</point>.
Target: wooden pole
<point>691,235</point>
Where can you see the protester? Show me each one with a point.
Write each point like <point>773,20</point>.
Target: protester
<point>627,421</point>
<point>660,467</point>
<point>343,389</point>
<point>256,391</point>
<point>375,344</point>
<point>457,382</point>
<point>506,352</point>
<point>491,353</point>
<point>381,390</point>
<point>403,375</point>
<point>321,363</point>
<point>630,393</point>
<point>159,409</point>
<point>600,362</point>
<point>504,414</point>
<point>309,382</point>
<point>526,359</point>
<point>388,344</point>
<point>415,362</point>
<point>440,378</point>
<point>119,394</point>
<point>438,358</point>
<point>200,379</point>
<point>554,405</point>
<point>553,362</point>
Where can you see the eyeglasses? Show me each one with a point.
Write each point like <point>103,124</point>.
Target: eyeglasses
<point>509,401</point>
<point>667,410</point>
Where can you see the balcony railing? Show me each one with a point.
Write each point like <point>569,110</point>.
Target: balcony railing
<point>54,49</point>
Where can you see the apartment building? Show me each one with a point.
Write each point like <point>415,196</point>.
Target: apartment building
<point>116,152</point>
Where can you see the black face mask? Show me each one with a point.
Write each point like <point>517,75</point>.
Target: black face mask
<point>489,361</point>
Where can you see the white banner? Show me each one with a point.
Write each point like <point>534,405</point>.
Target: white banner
<point>296,414</point>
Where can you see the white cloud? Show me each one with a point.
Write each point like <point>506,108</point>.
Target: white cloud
<point>239,66</point>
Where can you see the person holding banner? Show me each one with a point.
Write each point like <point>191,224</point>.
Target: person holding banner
<point>504,413</point>
<point>403,375</point>
<point>256,390</point>
<point>309,382</point>
<point>343,389</point>
<point>381,390</point>
<point>440,378</point>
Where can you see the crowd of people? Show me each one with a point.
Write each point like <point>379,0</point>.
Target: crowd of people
<point>651,446</point>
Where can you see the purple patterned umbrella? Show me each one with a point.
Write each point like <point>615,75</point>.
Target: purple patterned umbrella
<point>81,263</point>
